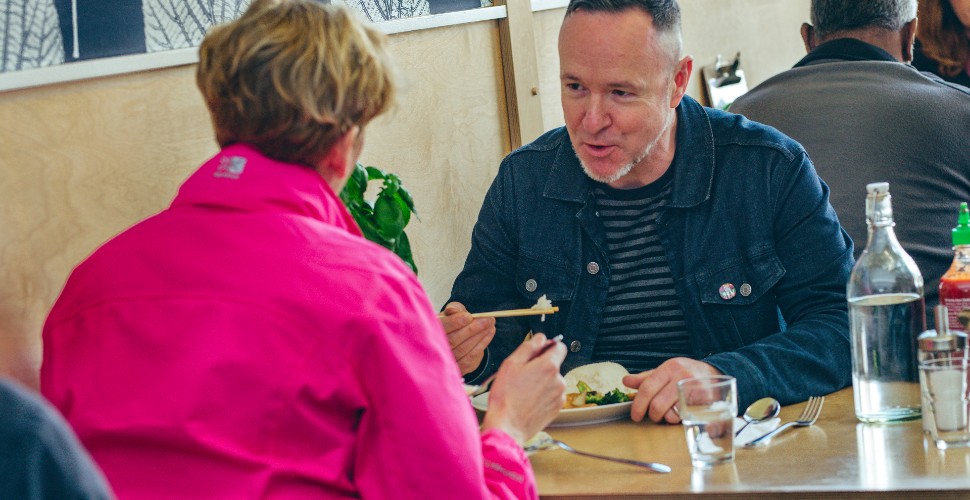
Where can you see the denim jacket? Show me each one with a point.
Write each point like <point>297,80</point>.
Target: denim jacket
<point>759,260</point>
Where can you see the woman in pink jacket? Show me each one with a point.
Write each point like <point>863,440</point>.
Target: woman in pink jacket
<point>247,342</point>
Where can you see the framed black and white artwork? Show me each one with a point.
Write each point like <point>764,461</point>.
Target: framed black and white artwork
<point>43,33</point>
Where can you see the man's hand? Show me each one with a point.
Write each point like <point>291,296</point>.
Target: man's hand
<point>657,388</point>
<point>468,337</point>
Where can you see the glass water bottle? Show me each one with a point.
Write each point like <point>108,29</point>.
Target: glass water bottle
<point>886,314</point>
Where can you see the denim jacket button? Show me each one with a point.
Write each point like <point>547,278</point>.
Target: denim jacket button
<point>531,285</point>
<point>726,291</point>
<point>592,268</point>
<point>575,346</point>
<point>745,289</point>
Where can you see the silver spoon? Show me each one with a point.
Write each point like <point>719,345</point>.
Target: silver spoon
<point>759,411</point>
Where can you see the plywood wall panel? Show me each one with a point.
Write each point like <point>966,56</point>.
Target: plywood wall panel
<point>78,163</point>
<point>547,47</point>
<point>445,139</point>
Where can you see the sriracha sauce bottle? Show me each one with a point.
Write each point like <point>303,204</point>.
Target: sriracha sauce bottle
<point>955,283</point>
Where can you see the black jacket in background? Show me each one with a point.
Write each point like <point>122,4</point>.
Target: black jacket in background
<point>40,457</point>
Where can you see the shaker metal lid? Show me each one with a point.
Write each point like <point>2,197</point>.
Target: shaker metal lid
<point>951,341</point>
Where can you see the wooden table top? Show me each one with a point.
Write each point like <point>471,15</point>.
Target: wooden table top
<point>838,457</point>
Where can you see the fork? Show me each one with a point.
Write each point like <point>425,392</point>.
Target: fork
<point>807,418</point>
<point>656,467</point>
<point>484,387</point>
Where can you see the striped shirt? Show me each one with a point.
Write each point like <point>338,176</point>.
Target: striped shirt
<point>643,322</point>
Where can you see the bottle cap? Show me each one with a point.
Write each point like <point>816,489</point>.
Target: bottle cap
<point>961,233</point>
<point>877,188</point>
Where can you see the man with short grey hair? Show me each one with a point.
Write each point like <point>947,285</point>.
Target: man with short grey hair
<point>864,115</point>
<point>830,17</point>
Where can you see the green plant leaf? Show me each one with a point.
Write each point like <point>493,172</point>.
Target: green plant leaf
<point>373,233</point>
<point>394,179</point>
<point>405,196</point>
<point>405,211</point>
<point>389,217</point>
<point>353,192</point>
<point>403,250</point>
<point>390,188</point>
<point>374,173</point>
<point>361,211</point>
<point>382,222</point>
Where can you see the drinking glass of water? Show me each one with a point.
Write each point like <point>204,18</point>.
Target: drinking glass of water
<point>707,408</point>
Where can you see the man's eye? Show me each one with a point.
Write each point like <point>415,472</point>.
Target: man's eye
<point>620,93</point>
<point>573,86</point>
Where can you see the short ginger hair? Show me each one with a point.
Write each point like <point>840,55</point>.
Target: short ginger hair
<point>290,77</point>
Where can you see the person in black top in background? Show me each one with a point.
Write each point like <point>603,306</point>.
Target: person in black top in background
<point>40,457</point>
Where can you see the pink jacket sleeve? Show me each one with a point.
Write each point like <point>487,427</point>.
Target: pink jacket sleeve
<point>508,473</point>
<point>419,437</point>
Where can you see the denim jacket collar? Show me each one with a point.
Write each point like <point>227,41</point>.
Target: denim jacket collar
<point>693,167</point>
<point>567,181</point>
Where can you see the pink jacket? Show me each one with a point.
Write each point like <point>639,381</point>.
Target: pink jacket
<point>247,342</point>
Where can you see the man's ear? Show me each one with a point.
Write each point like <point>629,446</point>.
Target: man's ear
<point>808,36</point>
<point>681,78</point>
<point>908,38</point>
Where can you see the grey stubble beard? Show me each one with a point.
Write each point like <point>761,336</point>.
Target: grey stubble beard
<point>626,169</point>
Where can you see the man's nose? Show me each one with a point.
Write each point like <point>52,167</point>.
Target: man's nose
<point>597,115</point>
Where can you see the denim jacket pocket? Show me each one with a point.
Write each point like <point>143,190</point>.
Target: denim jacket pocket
<point>738,300</point>
<point>535,278</point>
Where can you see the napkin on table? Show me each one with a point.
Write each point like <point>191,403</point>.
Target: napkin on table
<point>753,431</point>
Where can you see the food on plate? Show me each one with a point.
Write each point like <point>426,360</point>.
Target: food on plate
<point>587,397</point>
<point>597,384</point>
<point>542,303</point>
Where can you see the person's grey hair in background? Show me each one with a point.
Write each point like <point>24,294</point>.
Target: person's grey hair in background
<point>665,14</point>
<point>833,16</point>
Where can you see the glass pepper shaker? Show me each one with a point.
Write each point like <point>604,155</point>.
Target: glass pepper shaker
<point>941,343</point>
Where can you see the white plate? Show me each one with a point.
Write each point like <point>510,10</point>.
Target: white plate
<point>574,416</point>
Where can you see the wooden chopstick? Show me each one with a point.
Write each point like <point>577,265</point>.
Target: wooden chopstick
<point>512,312</point>
<point>515,312</point>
